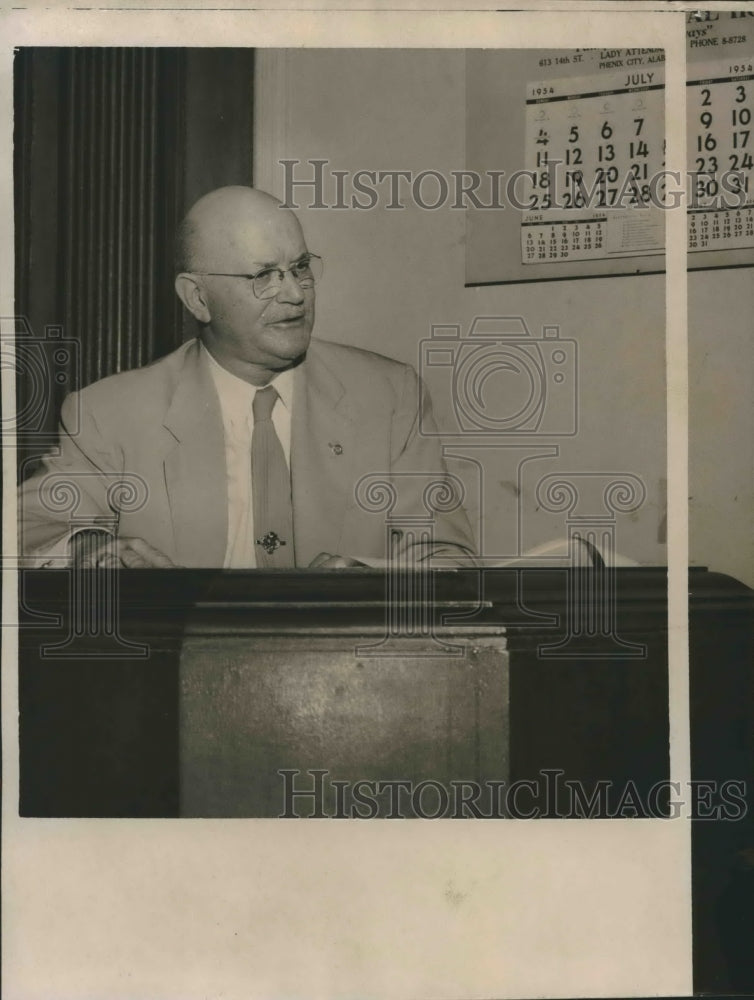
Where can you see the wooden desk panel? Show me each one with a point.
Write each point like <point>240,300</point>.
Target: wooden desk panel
<point>253,706</point>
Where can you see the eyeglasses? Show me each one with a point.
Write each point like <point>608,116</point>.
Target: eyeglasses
<point>267,283</point>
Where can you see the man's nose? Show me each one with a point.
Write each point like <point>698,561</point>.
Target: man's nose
<point>290,290</point>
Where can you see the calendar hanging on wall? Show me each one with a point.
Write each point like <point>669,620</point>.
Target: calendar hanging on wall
<point>583,132</point>
<point>594,146</point>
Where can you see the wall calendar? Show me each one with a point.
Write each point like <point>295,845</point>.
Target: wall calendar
<point>594,146</point>
<point>583,130</point>
<point>595,153</point>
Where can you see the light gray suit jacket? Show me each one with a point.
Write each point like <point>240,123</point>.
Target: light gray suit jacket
<point>355,415</point>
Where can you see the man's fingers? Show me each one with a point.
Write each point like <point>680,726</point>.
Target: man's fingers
<point>131,559</point>
<point>325,560</point>
<point>136,553</point>
<point>109,556</point>
<point>88,547</point>
<point>94,549</point>
<point>319,560</point>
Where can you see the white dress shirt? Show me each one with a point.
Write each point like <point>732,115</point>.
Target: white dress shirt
<point>236,398</point>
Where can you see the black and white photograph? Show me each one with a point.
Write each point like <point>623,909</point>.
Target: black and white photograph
<point>379,504</point>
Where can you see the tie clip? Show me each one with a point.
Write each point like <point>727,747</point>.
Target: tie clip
<point>270,542</point>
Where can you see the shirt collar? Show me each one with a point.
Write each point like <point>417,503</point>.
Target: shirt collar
<point>236,395</point>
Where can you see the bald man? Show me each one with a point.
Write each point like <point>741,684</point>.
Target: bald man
<point>192,434</point>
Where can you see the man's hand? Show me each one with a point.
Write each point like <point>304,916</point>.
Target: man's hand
<point>325,560</point>
<point>91,549</point>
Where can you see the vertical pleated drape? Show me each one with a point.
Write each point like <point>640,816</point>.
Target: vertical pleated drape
<point>119,205</point>
<point>111,146</point>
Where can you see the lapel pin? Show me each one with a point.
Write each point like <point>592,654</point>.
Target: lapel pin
<point>335,447</point>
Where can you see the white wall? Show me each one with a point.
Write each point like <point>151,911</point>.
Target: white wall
<point>391,274</point>
<point>721,421</point>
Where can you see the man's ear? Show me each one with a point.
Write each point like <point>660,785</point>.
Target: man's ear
<point>191,294</point>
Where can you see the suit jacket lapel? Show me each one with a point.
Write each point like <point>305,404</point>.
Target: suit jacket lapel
<point>195,474</point>
<point>322,438</point>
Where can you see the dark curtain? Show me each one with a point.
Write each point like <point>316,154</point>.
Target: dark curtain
<point>111,146</point>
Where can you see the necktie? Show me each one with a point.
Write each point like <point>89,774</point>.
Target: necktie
<point>271,488</point>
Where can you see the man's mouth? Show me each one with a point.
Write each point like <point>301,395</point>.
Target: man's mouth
<point>287,320</point>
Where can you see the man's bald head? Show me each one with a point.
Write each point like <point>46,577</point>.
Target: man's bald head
<point>223,222</point>
<point>228,235</point>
